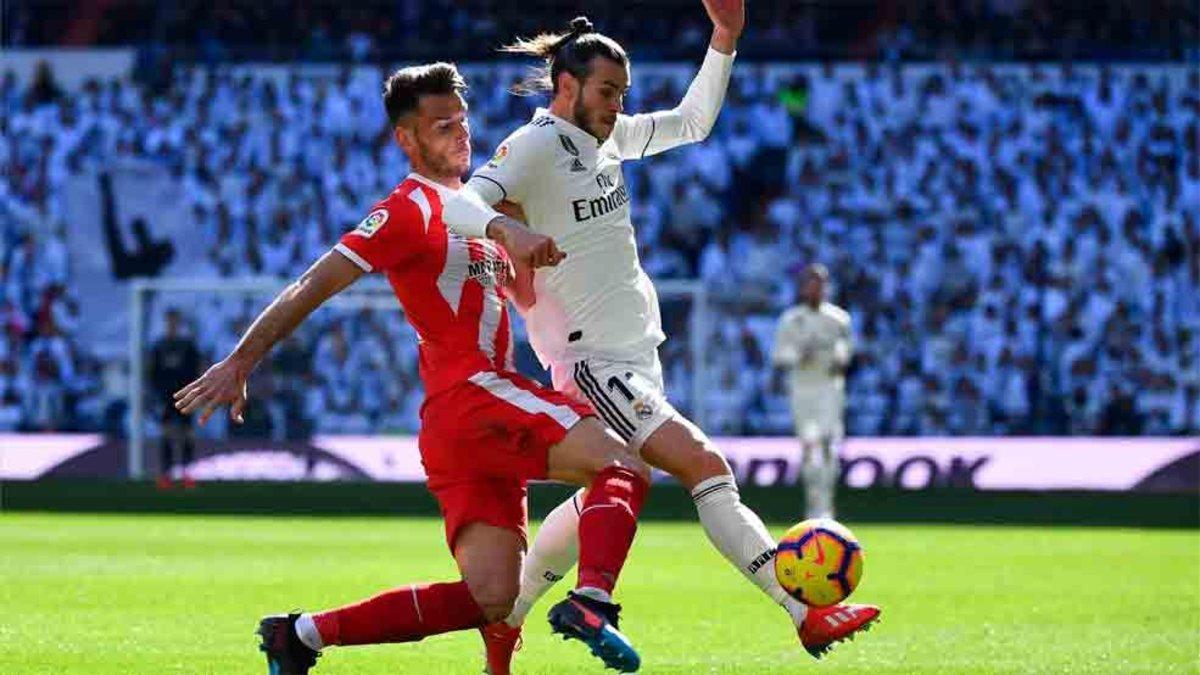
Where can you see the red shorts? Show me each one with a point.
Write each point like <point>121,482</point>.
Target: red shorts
<point>484,439</point>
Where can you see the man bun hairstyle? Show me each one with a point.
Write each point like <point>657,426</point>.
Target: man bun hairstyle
<point>403,90</point>
<point>571,51</point>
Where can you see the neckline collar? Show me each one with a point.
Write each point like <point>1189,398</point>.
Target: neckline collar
<point>431,183</point>
<point>576,132</point>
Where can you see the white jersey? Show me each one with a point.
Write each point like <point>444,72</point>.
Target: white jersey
<point>599,301</point>
<point>815,346</point>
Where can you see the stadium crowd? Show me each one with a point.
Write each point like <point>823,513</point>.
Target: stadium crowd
<point>1018,245</point>
<point>468,29</point>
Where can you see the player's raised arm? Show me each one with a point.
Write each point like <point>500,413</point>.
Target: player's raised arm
<point>225,382</point>
<point>386,238</point>
<point>639,136</point>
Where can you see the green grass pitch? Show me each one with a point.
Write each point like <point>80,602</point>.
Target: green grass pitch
<point>134,595</point>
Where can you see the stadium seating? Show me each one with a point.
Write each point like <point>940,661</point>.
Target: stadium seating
<point>1018,245</point>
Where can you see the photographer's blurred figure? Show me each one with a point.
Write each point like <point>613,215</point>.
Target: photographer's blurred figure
<point>813,344</point>
<point>174,362</point>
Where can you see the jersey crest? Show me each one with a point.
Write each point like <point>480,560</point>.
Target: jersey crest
<point>371,224</point>
<point>498,158</point>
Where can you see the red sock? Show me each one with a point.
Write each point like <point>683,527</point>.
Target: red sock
<point>607,524</point>
<point>404,614</point>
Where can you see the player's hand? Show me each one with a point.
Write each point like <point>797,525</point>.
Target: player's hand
<point>728,16</point>
<point>524,245</point>
<point>222,384</point>
<point>807,354</point>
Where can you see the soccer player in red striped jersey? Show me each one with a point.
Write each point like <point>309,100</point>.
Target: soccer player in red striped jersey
<point>485,430</point>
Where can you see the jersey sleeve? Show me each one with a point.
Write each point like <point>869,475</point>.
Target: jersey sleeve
<point>389,236</point>
<point>786,350</point>
<point>638,136</point>
<point>843,347</point>
<point>518,165</point>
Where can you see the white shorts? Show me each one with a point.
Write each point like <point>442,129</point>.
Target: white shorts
<point>628,395</point>
<point>819,416</point>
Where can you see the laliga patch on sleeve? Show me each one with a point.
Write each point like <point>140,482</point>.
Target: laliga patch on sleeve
<point>371,224</point>
<point>499,157</point>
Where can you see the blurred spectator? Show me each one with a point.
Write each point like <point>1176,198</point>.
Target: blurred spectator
<point>174,362</point>
<point>915,29</point>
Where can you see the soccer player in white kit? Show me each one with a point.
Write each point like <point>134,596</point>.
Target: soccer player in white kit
<point>813,344</point>
<point>594,319</point>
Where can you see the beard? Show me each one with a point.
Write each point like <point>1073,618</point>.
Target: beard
<point>440,165</point>
<point>584,118</point>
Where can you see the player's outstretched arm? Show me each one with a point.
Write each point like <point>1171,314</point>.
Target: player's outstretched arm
<point>483,209</point>
<point>520,286</point>
<point>728,18</point>
<point>692,120</point>
<point>523,245</point>
<point>225,382</point>
<point>467,214</point>
<point>520,279</point>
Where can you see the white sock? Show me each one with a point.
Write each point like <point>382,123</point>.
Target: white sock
<point>830,472</point>
<point>306,630</point>
<point>554,552</point>
<point>814,482</point>
<point>741,537</point>
<point>594,593</point>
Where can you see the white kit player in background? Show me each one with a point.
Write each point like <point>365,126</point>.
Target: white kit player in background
<point>594,319</point>
<point>813,345</point>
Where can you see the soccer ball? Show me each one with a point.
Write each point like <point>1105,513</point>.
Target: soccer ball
<point>819,562</point>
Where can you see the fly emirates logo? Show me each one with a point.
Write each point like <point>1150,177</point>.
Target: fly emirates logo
<point>598,207</point>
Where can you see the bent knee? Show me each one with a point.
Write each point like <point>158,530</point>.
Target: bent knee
<point>687,454</point>
<point>614,454</point>
<point>495,597</point>
<point>705,462</point>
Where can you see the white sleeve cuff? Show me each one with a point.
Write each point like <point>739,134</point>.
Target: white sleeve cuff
<point>467,215</point>
<point>354,257</point>
<point>721,57</point>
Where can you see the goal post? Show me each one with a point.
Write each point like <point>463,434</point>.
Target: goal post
<point>149,297</point>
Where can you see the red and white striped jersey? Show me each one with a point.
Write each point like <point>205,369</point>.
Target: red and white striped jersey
<point>451,288</point>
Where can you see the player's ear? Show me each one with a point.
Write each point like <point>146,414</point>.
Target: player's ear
<point>405,136</point>
<point>569,85</point>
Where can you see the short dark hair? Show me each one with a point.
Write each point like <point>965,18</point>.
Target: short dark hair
<point>571,51</point>
<point>402,91</point>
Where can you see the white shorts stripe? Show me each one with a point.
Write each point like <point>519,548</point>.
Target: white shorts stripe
<point>634,411</point>
<point>527,401</point>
